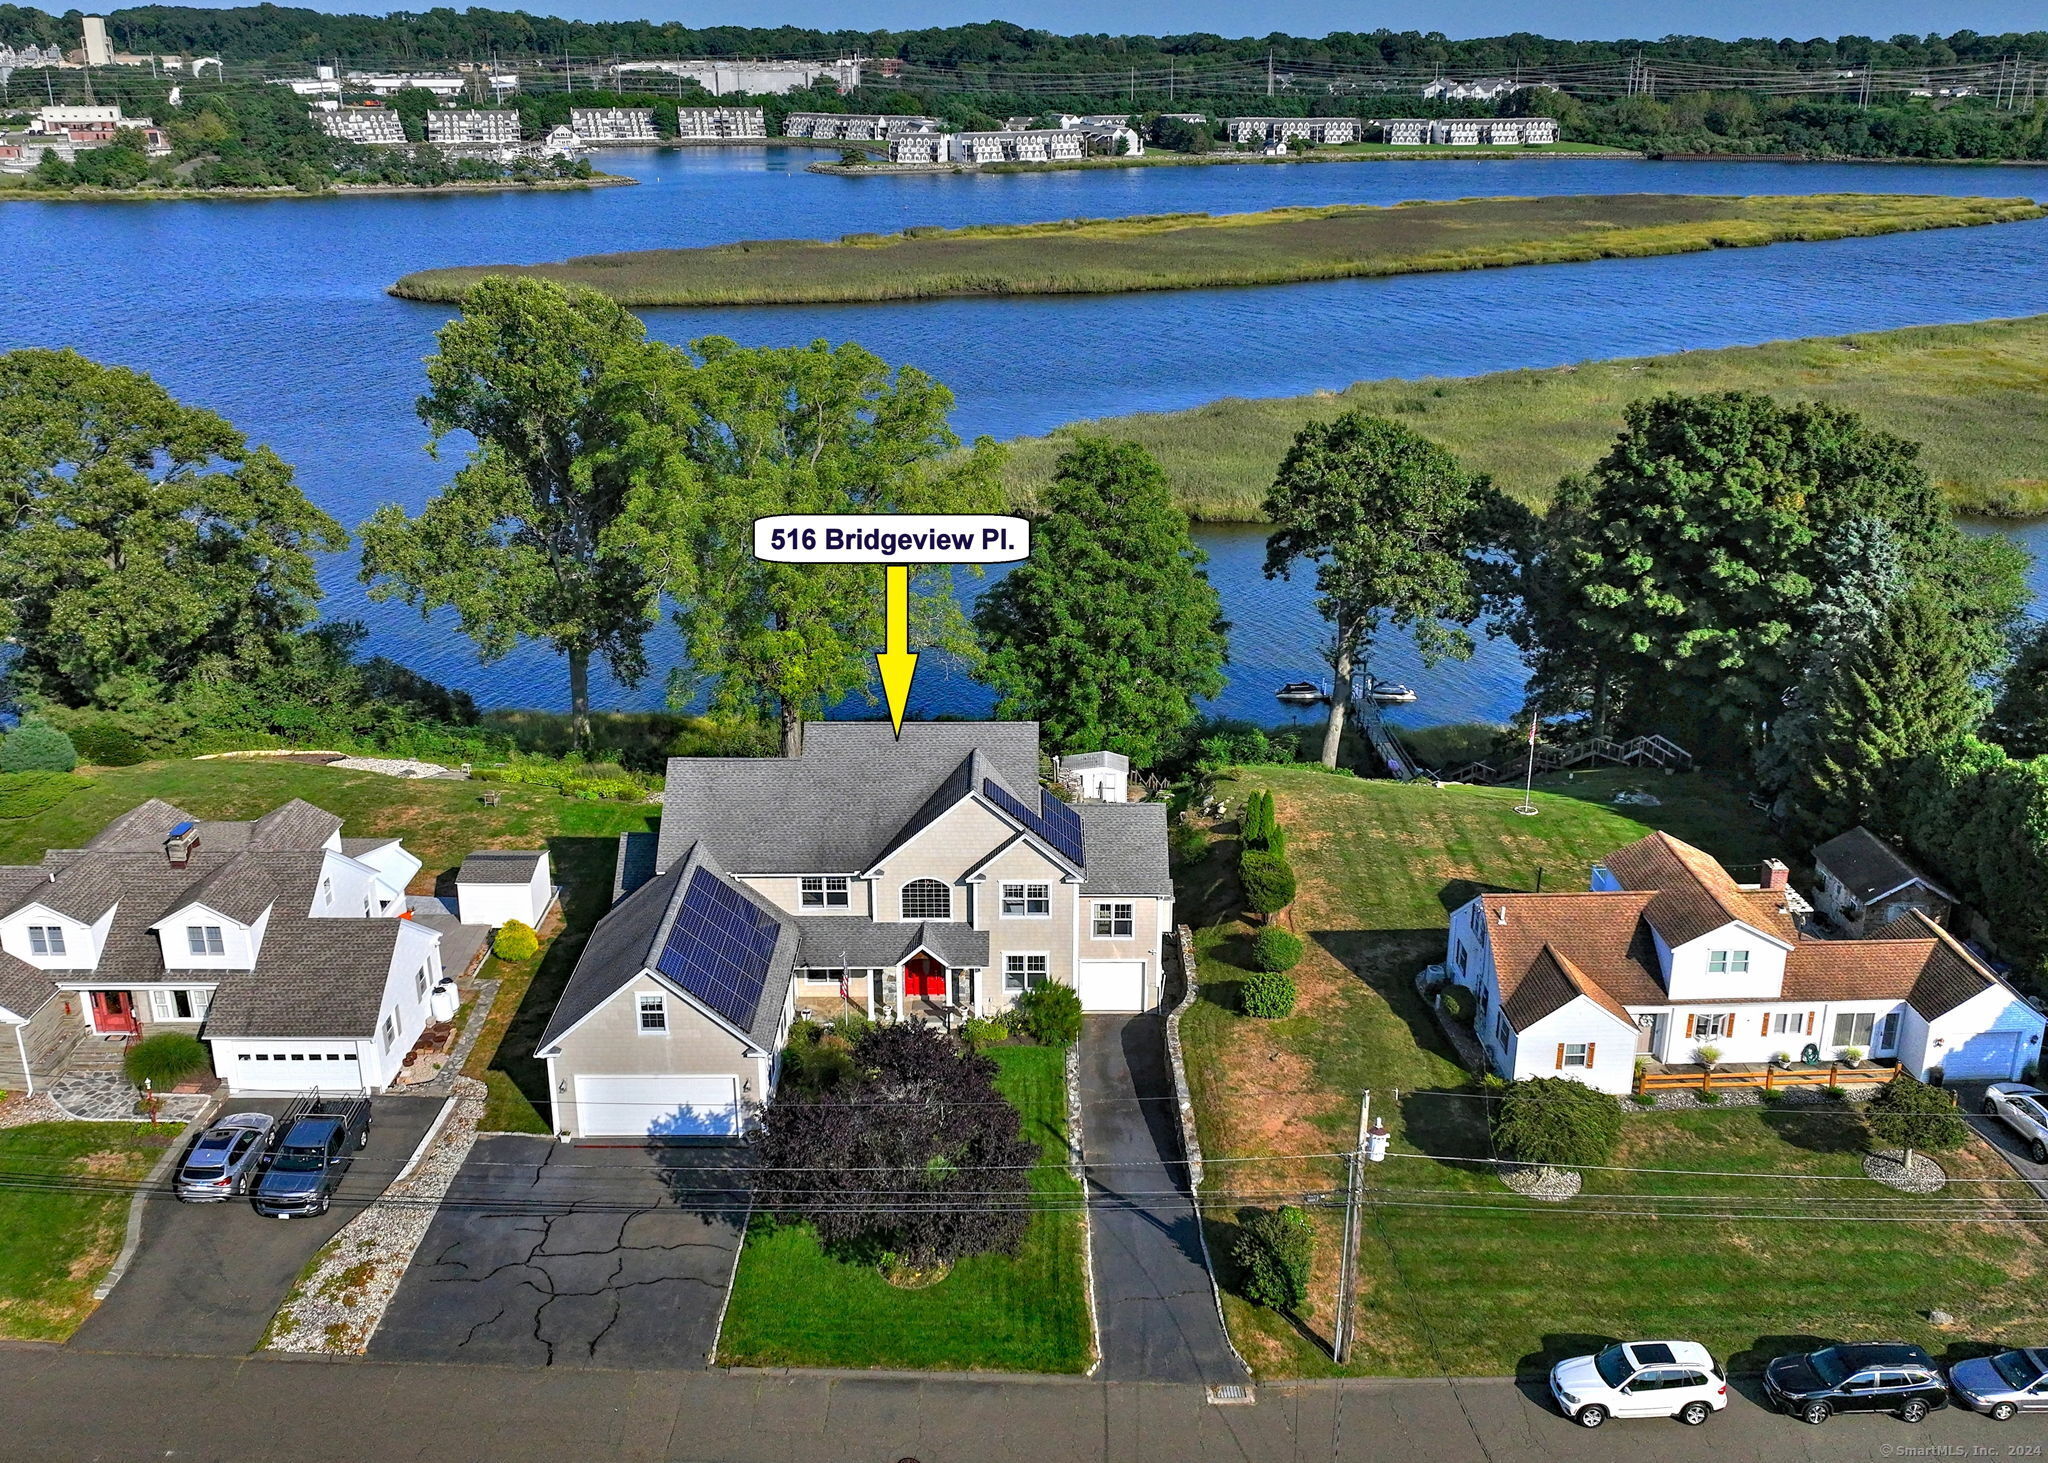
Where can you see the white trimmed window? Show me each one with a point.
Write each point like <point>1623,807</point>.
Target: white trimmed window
<point>653,1014</point>
<point>927,899</point>
<point>1575,1054</point>
<point>1027,901</point>
<point>205,940</point>
<point>170,1005</point>
<point>1853,1028</point>
<point>824,891</point>
<point>1021,972</point>
<point>46,939</point>
<point>390,1030</point>
<point>1789,1023</point>
<point>823,977</point>
<point>1704,1027</point>
<point>419,983</point>
<point>1727,962</point>
<point>1113,921</point>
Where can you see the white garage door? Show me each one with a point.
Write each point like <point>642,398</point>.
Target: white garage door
<point>657,1107</point>
<point>1111,985</point>
<point>1993,1054</point>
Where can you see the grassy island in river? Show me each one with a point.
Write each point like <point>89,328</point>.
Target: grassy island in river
<point>1199,250</point>
<point>1975,397</point>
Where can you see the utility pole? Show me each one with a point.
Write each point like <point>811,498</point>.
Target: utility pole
<point>1372,1147</point>
<point>1269,73</point>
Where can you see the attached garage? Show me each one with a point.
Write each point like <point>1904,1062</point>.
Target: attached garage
<point>1111,985</point>
<point>657,1106</point>
<point>1989,1055</point>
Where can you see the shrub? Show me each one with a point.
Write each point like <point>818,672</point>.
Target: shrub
<point>1711,1097</point>
<point>1268,882</point>
<point>1851,1054</point>
<point>815,1060</point>
<point>1458,1004</point>
<point>164,1060</point>
<point>1643,1099</point>
<point>1555,1121</point>
<point>1050,1014</point>
<point>1269,994</point>
<point>982,1032</point>
<point>105,742</point>
<point>1186,843</point>
<point>1275,949</point>
<point>1275,1253</point>
<point>25,793</point>
<point>36,746</point>
<point>1707,1055</point>
<point>515,940</point>
<point>1909,1114</point>
<point>1781,1059</point>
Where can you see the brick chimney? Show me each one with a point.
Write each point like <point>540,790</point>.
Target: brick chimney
<point>1774,875</point>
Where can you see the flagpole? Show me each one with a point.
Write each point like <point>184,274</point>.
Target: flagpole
<point>1528,808</point>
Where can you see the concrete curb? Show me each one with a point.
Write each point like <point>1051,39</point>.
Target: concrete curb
<point>1077,1165</point>
<point>132,1240</point>
<point>725,1304</point>
<point>433,1131</point>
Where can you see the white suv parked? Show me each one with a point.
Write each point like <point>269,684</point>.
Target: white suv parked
<point>1640,1379</point>
<point>2024,1109</point>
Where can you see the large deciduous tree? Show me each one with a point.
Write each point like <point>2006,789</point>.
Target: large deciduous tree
<point>1110,632</point>
<point>142,536</point>
<point>2019,722</point>
<point>917,1154</point>
<point>520,544</point>
<point>725,435</point>
<point>1393,525</point>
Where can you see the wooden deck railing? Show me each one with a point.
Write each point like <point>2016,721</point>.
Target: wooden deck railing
<point>1770,1079</point>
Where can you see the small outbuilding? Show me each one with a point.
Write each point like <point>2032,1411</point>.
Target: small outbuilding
<point>497,885</point>
<point>1864,885</point>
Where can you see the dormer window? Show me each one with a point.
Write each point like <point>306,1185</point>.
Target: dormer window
<point>1728,962</point>
<point>824,892</point>
<point>46,939</point>
<point>205,940</point>
<point>927,899</point>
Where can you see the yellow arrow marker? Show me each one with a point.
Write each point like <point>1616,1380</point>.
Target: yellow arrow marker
<point>898,662</point>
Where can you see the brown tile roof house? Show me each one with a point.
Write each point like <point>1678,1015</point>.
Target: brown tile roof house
<point>274,940</point>
<point>1669,949</point>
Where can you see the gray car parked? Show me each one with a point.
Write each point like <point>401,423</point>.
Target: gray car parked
<point>2024,1109</point>
<point>225,1161</point>
<point>1999,1386</point>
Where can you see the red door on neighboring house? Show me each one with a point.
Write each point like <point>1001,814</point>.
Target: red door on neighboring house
<point>924,976</point>
<point>113,1012</point>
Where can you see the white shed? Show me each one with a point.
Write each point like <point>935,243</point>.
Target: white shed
<point>495,886</point>
<point>1098,776</point>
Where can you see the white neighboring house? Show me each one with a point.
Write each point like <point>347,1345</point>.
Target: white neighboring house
<point>929,877</point>
<point>495,886</point>
<point>1666,954</point>
<point>720,124</point>
<point>277,942</point>
<point>602,125</point>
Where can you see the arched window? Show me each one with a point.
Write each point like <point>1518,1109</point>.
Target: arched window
<point>927,899</point>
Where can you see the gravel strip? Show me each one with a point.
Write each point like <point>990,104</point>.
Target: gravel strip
<point>394,767</point>
<point>338,1304</point>
<point>1924,1177</point>
<point>21,1110</point>
<point>1552,1185</point>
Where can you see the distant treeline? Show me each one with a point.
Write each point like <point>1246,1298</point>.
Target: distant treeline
<point>280,33</point>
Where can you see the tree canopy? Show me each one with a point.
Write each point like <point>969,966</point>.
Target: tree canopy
<point>1556,1122</point>
<point>2019,722</point>
<point>1393,526</point>
<point>521,542</point>
<point>1110,632</point>
<point>143,536</point>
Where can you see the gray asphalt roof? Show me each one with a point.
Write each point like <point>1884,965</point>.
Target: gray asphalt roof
<point>315,977</point>
<point>1868,867</point>
<point>1126,845</point>
<point>634,865</point>
<point>834,942</point>
<point>839,805</point>
<point>628,940</point>
<point>507,866</point>
<point>1090,761</point>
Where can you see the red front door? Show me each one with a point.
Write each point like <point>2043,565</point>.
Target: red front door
<point>113,1012</point>
<point>924,976</point>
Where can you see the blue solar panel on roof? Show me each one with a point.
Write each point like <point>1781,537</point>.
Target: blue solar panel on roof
<point>720,947</point>
<point>1058,824</point>
<point>183,828</point>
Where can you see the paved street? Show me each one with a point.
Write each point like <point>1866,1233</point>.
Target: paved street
<point>1154,1306</point>
<point>208,1277</point>
<point>67,1407</point>
<point>547,1255</point>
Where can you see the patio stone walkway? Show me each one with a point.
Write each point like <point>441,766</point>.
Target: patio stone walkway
<point>107,1097</point>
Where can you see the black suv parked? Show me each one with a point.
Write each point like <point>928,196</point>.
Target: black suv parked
<point>1882,1377</point>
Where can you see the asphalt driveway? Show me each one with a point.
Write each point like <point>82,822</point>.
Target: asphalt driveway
<point>207,1278</point>
<point>547,1255</point>
<point>1155,1309</point>
<point>2011,1147</point>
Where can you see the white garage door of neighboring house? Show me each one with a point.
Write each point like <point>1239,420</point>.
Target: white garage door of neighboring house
<point>1111,985</point>
<point>1993,1054</point>
<point>657,1107</point>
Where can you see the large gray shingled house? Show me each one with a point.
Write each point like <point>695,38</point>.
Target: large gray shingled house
<point>279,943</point>
<point>929,876</point>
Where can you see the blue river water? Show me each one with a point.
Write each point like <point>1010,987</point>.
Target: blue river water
<point>273,313</point>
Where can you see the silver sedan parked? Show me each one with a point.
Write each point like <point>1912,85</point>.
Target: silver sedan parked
<point>1999,1386</point>
<point>2024,1109</point>
<point>224,1162</point>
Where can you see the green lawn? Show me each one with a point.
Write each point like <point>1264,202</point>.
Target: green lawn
<point>792,1305</point>
<point>440,821</point>
<point>56,1243</point>
<point>1510,1289</point>
<point>1974,396</point>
